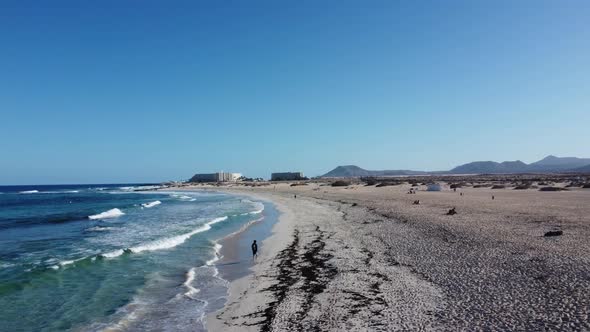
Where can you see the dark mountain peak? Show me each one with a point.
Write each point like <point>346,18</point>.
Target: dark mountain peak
<point>549,158</point>
<point>346,171</point>
<point>478,167</point>
<point>348,167</point>
<point>513,163</point>
<point>548,164</point>
<point>560,162</point>
<point>352,171</point>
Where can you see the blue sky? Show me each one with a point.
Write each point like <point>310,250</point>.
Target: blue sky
<point>127,91</point>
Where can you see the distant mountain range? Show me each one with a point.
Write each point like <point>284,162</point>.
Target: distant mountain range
<point>355,171</point>
<point>549,164</point>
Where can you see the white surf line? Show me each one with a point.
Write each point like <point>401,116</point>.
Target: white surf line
<point>112,213</point>
<point>151,204</point>
<point>190,277</point>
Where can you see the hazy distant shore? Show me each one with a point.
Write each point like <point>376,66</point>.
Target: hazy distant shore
<point>364,257</point>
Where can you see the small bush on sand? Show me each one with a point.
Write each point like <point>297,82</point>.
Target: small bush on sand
<point>388,183</point>
<point>371,182</point>
<point>498,186</point>
<point>341,183</point>
<point>522,187</point>
<point>552,189</point>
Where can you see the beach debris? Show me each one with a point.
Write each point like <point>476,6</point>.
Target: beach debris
<point>452,212</point>
<point>553,233</point>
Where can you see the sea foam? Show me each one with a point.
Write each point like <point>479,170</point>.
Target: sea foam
<point>98,229</point>
<point>29,192</point>
<point>190,277</point>
<point>112,213</point>
<point>217,254</point>
<point>113,254</point>
<point>257,205</point>
<point>151,204</point>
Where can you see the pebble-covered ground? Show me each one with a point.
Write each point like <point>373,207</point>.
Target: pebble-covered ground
<point>367,258</point>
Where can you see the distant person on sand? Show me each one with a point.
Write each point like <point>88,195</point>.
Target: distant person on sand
<point>493,197</point>
<point>295,196</point>
<point>254,249</point>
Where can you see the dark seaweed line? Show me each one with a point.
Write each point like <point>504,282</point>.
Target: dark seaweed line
<point>311,268</point>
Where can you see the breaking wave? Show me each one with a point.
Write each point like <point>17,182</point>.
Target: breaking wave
<point>151,204</point>
<point>166,243</point>
<point>112,213</point>
<point>217,254</point>
<point>174,241</point>
<point>190,277</point>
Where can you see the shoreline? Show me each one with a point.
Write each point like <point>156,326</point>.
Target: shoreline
<point>281,234</point>
<point>233,258</point>
<point>269,246</point>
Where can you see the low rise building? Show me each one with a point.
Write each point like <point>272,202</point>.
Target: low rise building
<point>208,177</point>
<point>216,177</point>
<point>287,176</point>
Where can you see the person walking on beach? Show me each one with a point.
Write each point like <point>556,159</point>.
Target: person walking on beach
<point>254,249</point>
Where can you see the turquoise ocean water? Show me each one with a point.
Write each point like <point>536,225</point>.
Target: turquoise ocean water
<point>110,257</point>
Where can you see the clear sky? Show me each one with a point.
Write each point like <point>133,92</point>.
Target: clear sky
<point>127,91</point>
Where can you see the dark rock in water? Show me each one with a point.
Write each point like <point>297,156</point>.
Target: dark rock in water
<point>553,233</point>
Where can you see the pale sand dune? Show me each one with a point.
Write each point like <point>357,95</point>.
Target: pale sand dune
<point>364,258</point>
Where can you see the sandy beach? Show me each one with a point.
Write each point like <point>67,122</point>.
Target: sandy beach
<point>365,258</point>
